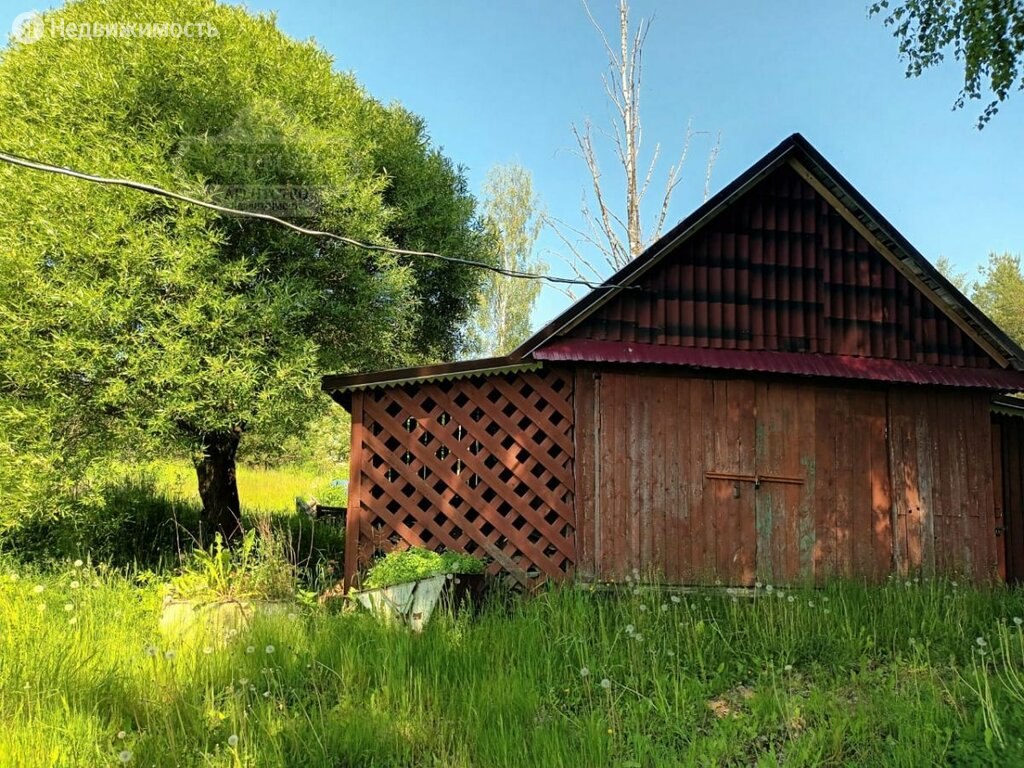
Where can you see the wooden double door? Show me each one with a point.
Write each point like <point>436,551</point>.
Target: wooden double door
<point>722,481</point>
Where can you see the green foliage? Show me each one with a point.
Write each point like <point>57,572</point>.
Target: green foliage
<point>846,675</point>
<point>1000,293</point>
<point>254,569</point>
<point>137,325</point>
<point>988,37</point>
<point>513,222</point>
<point>415,563</point>
<point>949,271</point>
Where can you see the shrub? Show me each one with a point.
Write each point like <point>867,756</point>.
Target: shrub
<point>256,569</point>
<point>416,563</point>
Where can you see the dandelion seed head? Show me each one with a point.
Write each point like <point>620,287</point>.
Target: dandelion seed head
<point>233,740</point>
<point>269,649</point>
<point>638,637</point>
<point>675,599</point>
<point>1018,620</point>
<point>250,649</point>
<point>769,588</point>
<point>266,694</point>
<point>584,672</point>
<point>78,563</point>
<point>664,607</point>
<point>121,734</point>
<point>788,668</point>
<point>151,650</point>
<point>643,608</point>
<point>207,650</point>
<point>69,606</point>
<point>630,629</point>
<point>243,681</point>
<point>810,603</point>
<point>606,683</point>
<point>75,585</point>
<point>38,589</point>
<point>981,642</point>
<point>169,655</point>
<point>125,755</point>
<point>73,620</point>
<point>790,599</point>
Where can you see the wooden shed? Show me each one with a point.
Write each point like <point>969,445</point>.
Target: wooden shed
<point>781,389</point>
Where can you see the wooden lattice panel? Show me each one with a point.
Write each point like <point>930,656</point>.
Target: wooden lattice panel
<point>481,465</point>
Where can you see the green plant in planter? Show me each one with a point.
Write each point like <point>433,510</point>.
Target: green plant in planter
<point>417,563</point>
<point>251,571</point>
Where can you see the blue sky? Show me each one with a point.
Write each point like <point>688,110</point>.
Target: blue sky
<point>503,80</point>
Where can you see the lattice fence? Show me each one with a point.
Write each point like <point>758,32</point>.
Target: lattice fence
<point>481,465</point>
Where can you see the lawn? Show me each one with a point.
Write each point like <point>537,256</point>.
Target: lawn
<point>904,674</point>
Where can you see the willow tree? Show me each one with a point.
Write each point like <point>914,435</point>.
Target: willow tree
<point>135,321</point>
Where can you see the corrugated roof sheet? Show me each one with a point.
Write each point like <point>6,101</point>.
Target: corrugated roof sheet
<point>792,363</point>
<point>428,373</point>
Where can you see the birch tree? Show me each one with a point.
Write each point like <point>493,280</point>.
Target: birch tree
<point>512,220</point>
<point>613,232</point>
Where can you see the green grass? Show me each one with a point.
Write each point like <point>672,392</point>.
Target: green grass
<point>845,676</point>
<point>260,489</point>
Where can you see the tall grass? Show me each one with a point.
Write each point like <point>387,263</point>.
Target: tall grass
<point>905,674</point>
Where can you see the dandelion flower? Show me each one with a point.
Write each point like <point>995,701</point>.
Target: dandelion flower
<point>78,563</point>
<point>169,655</point>
<point>75,585</point>
<point>233,740</point>
<point>38,589</point>
<point>125,755</point>
<point>584,672</point>
<point>250,649</point>
<point>606,683</point>
<point>269,649</point>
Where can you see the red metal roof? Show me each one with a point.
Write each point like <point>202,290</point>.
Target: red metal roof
<point>794,363</point>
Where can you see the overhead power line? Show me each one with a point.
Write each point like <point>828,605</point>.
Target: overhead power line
<point>36,165</point>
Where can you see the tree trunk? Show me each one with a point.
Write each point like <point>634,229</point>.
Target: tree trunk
<point>218,486</point>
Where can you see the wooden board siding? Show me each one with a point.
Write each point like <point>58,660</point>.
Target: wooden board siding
<point>1008,452</point>
<point>782,270</point>
<point>664,457</point>
<point>481,465</point>
<point>942,482</point>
